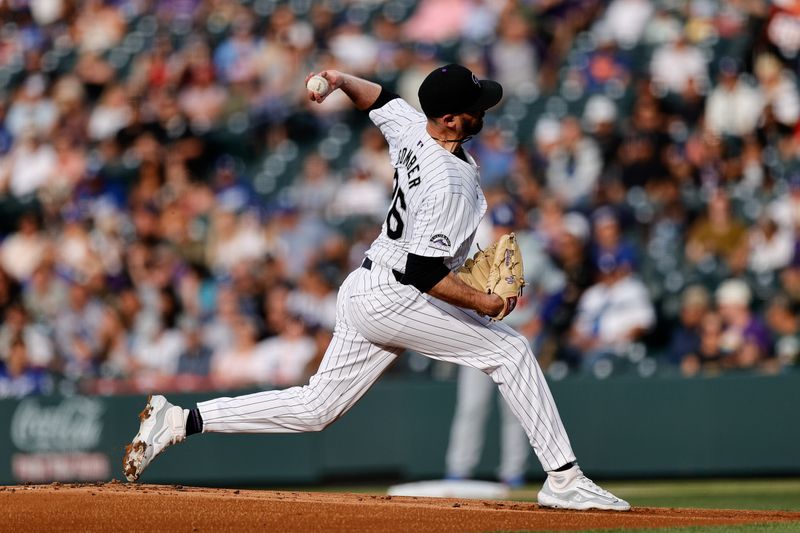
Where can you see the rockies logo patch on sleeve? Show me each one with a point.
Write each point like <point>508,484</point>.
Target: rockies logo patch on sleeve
<point>440,242</point>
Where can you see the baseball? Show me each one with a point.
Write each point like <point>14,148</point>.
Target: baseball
<point>318,84</point>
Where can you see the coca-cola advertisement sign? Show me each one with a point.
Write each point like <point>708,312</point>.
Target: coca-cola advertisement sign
<point>73,424</point>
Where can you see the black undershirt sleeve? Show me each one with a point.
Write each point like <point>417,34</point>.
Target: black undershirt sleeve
<point>384,98</point>
<point>424,272</point>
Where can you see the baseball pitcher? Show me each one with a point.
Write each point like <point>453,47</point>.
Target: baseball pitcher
<point>416,289</point>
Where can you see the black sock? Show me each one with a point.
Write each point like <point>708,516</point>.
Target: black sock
<point>194,423</point>
<point>559,469</point>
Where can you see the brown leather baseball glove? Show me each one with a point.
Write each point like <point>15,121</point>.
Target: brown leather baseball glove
<point>497,269</point>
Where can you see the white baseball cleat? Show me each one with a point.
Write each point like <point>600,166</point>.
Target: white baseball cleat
<point>571,489</point>
<point>162,425</point>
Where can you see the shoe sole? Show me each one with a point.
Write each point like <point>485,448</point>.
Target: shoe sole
<point>135,451</point>
<point>546,500</point>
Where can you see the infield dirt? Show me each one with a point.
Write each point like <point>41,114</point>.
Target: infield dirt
<point>117,506</point>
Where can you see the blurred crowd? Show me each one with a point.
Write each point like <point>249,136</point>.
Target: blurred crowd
<point>174,213</point>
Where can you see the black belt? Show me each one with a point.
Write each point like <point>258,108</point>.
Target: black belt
<point>367,263</point>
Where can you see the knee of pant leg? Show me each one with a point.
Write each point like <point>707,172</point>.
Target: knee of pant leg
<point>521,347</point>
<point>520,353</point>
<point>322,417</point>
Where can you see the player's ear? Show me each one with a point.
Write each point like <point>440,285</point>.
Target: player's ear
<point>448,120</point>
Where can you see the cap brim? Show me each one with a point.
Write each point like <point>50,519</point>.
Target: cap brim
<point>491,94</point>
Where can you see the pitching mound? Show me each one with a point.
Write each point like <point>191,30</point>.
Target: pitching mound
<point>121,507</point>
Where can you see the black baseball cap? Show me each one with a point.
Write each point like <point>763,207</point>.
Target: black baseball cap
<point>454,89</point>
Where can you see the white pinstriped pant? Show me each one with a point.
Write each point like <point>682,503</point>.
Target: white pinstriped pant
<point>377,318</point>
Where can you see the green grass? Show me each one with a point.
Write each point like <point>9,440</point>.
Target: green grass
<point>764,494</point>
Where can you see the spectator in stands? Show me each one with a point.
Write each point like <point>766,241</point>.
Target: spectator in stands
<point>234,239</point>
<point>784,325</point>
<point>436,21</point>
<point>785,209</point>
<point>604,69</point>
<point>643,141</point>
<point>600,116</point>
<point>663,27</point>
<point>675,63</point>
<point>709,357</point>
<point>513,56</point>
<point>298,234</point>
<point>110,115</point>
<point>495,153</point>
<point>626,20</point>
<point>45,295</point>
<point>74,251</point>
<point>687,107</point>
<point>360,195</point>
<point>233,191</point>
<point>770,247</point>
<point>608,238</point>
<point>745,340</point>
<point>23,251</point>
<point>114,345</point>
<point>314,298</point>
<point>574,166</point>
<point>546,138</point>
<point>18,327</point>
<point>372,155</point>
<point>98,26</point>
<point>733,107</point>
<point>314,188</point>
<point>612,315</point>
<point>717,234</point>
<point>156,352</point>
<point>76,331</point>
<point>778,90</point>
<point>218,331</point>
<point>287,355</point>
<point>234,59</point>
<point>239,365</point>
<point>686,337</point>
<point>201,99</point>
<point>29,165</point>
<point>18,378</point>
<point>753,172</point>
<point>196,292</point>
<point>195,359</point>
<point>31,112</point>
<point>387,33</point>
<point>355,48</point>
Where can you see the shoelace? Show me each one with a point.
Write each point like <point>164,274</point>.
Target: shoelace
<point>591,485</point>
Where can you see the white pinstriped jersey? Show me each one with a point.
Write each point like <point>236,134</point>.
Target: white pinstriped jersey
<point>437,200</point>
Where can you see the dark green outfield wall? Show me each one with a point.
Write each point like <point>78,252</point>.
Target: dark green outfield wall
<point>738,425</point>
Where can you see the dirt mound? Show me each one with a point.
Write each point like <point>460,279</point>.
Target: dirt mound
<point>119,506</point>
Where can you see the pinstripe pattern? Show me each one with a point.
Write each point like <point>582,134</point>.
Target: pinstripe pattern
<point>377,317</point>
